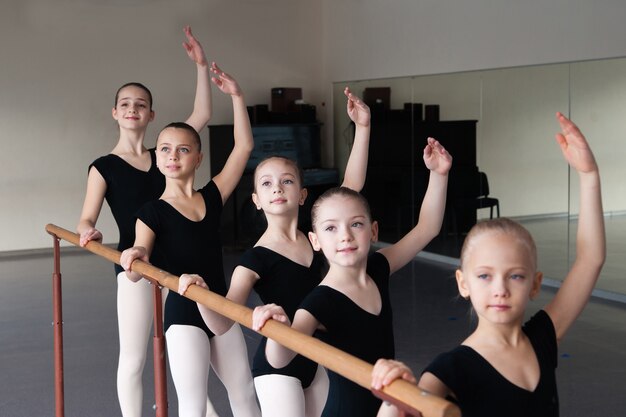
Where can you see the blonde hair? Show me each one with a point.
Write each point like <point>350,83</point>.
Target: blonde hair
<point>343,192</point>
<point>288,161</point>
<point>500,225</point>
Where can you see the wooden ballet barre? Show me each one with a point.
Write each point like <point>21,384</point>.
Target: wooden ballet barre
<point>408,397</point>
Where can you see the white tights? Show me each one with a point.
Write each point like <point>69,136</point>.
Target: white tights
<point>190,356</point>
<point>134,318</point>
<point>283,396</point>
<point>229,359</point>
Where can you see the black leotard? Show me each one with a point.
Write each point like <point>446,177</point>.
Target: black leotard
<point>480,390</point>
<point>286,283</point>
<point>128,189</point>
<point>188,247</point>
<point>354,330</point>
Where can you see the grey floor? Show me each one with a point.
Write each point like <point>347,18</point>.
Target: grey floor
<point>429,318</point>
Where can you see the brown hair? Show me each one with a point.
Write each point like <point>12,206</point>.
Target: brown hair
<point>184,126</point>
<point>500,225</point>
<point>134,84</point>
<point>343,192</point>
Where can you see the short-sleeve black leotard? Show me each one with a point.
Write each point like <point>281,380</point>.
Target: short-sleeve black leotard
<point>480,390</point>
<point>285,283</point>
<point>356,331</point>
<point>128,189</point>
<point>188,247</point>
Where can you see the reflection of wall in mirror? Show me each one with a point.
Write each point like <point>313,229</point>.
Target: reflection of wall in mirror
<point>515,108</point>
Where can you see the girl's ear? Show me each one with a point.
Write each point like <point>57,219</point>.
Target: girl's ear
<point>114,113</point>
<point>374,231</point>
<point>303,194</point>
<point>534,291</point>
<point>200,157</point>
<point>314,242</point>
<point>255,200</point>
<point>462,284</point>
<point>151,115</point>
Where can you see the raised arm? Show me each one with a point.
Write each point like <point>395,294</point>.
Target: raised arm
<point>241,284</point>
<point>438,161</point>
<point>144,242</point>
<point>94,197</point>
<point>356,168</point>
<point>576,289</point>
<point>229,176</point>
<point>277,355</point>
<point>202,108</point>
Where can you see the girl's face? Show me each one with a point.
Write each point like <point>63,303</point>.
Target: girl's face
<point>177,153</point>
<point>499,277</point>
<point>343,231</point>
<point>132,110</point>
<point>277,187</point>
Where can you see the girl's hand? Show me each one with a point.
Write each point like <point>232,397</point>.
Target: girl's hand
<point>387,370</point>
<point>224,82</point>
<point>193,48</point>
<point>89,235</point>
<point>436,158</point>
<point>358,111</point>
<point>261,314</point>
<point>186,280</point>
<point>130,254</point>
<point>574,146</point>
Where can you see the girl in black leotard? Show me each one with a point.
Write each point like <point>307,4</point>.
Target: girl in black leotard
<point>128,178</point>
<point>507,366</point>
<point>283,268</point>
<point>183,228</point>
<point>350,309</point>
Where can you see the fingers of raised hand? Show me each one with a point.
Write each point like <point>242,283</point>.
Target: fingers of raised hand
<point>188,34</point>
<point>215,69</point>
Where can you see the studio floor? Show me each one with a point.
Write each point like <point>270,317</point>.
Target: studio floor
<point>429,319</point>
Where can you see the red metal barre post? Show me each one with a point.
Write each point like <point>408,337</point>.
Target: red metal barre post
<point>57,323</point>
<point>158,349</point>
<point>160,379</point>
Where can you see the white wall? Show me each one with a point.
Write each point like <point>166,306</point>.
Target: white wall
<point>380,39</point>
<point>63,60</point>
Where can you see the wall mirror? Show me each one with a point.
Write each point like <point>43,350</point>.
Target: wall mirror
<point>501,123</point>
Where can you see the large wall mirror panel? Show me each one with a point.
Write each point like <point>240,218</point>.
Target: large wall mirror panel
<point>513,114</point>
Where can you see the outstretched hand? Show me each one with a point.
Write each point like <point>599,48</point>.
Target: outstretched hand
<point>193,48</point>
<point>387,370</point>
<point>262,314</point>
<point>436,158</point>
<point>186,280</point>
<point>358,111</point>
<point>574,146</point>
<point>224,82</point>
